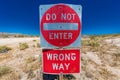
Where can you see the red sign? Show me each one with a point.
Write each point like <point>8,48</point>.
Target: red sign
<point>61,61</point>
<point>60,25</point>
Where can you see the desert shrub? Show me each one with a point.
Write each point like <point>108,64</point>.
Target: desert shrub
<point>6,36</point>
<point>4,57</point>
<point>84,42</point>
<point>31,74</point>
<point>11,76</point>
<point>117,54</point>
<point>23,46</point>
<point>34,40</point>
<point>69,77</point>
<point>33,45</point>
<point>31,66</point>
<point>93,37</point>
<point>38,45</point>
<point>30,59</point>
<point>4,70</point>
<point>4,49</point>
<point>40,58</point>
<point>93,43</point>
<point>105,74</point>
<point>20,36</point>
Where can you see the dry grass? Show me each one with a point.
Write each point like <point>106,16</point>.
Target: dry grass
<point>10,76</point>
<point>30,66</point>
<point>7,73</point>
<point>117,54</point>
<point>4,49</point>
<point>25,65</point>
<point>106,75</point>
<point>5,56</point>
<point>34,40</point>
<point>23,46</point>
<point>31,74</point>
<point>5,70</point>
<point>107,53</point>
<point>30,59</point>
<point>38,45</point>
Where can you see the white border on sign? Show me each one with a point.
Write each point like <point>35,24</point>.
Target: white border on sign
<point>61,72</point>
<point>77,9</point>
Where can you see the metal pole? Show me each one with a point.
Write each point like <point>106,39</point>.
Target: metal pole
<point>61,76</point>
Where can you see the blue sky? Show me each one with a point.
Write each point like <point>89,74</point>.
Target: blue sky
<point>22,16</point>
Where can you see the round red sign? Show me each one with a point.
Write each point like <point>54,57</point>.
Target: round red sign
<point>60,25</point>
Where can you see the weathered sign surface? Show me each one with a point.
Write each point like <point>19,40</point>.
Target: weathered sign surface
<point>61,61</point>
<point>60,25</point>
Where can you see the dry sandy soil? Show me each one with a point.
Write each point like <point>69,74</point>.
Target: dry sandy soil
<point>5,41</point>
<point>100,59</point>
<point>22,62</point>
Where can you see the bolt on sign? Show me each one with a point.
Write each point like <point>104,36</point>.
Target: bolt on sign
<point>60,25</point>
<point>61,61</point>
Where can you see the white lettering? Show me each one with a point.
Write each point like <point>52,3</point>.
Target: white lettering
<point>55,56</point>
<point>65,35</point>
<point>55,66</point>
<point>60,66</point>
<point>61,56</point>
<point>47,17</point>
<point>50,16</point>
<point>67,66</point>
<point>69,35</point>
<point>73,56</point>
<point>73,16</point>
<point>67,16</point>
<point>53,16</point>
<point>56,36</point>
<point>50,36</point>
<point>63,16</point>
<point>67,57</point>
<point>60,36</point>
<point>49,56</point>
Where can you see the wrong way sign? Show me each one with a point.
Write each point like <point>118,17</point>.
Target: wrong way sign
<point>60,25</point>
<point>61,61</point>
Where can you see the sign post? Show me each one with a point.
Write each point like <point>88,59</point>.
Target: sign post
<point>61,76</point>
<point>60,27</point>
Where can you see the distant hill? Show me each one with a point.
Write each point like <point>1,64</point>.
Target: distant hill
<point>12,35</point>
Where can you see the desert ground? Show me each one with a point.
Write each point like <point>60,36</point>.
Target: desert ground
<point>100,59</point>
<point>4,41</point>
<point>22,63</point>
